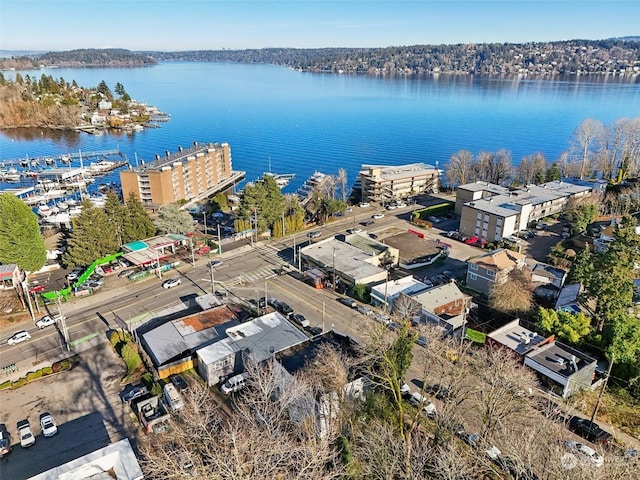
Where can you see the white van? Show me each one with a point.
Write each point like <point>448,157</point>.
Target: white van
<point>172,397</point>
<point>233,384</point>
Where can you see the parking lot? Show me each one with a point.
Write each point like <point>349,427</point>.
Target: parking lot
<point>85,404</point>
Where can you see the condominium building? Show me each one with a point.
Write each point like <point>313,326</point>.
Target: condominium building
<point>385,183</point>
<point>187,175</point>
<point>492,212</point>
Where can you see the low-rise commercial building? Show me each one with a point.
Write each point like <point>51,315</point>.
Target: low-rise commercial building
<point>349,264</point>
<point>384,294</point>
<point>255,340</point>
<point>444,305</point>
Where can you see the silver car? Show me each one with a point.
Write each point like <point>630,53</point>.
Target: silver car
<point>21,336</point>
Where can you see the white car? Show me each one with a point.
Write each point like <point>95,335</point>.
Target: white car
<point>364,205</point>
<point>354,230</point>
<point>172,282</point>
<point>18,337</point>
<point>378,216</point>
<point>47,320</point>
<point>391,207</point>
<point>401,205</point>
<point>586,454</point>
<point>24,432</point>
<point>48,425</point>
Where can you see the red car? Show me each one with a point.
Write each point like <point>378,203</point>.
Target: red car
<point>471,240</point>
<point>37,289</point>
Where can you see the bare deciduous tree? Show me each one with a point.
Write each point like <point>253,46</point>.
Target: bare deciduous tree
<point>587,138</point>
<point>461,168</point>
<point>514,295</point>
<point>343,183</point>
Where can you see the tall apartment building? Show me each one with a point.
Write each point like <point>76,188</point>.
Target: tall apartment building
<point>384,183</point>
<point>187,175</point>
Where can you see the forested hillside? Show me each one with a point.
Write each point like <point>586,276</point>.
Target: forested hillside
<point>554,58</point>
<point>614,56</point>
<point>86,57</point>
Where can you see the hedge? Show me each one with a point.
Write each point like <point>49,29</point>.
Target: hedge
<point>433,210</point>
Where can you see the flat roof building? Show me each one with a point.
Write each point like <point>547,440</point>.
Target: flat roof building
<point>492,212</point>
<point>351,264</point>
<point>189,174</point>
<point>515,337</point>
<point>444,305</point>
<point>386,292</point>
<point>384,183</point>
<point>257,340</point>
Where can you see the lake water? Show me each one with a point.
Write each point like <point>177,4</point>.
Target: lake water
<point>304,122</point>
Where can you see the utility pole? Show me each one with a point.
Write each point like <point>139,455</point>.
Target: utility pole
<point>219,241</point>
<point>65,330</point>
<point>213,283</point>
<point>323,315</point>
<point>193,258</point>
<point>294,250</point>
<point>604,385</point>
<point>204,216</point>
<point>265,295</point>
<point>334,269</point>
<point>386,286</point>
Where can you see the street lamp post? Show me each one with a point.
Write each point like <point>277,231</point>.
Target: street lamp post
<point>213,283</point>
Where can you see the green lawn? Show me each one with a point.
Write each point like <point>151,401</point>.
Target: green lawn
<point>475,336</point>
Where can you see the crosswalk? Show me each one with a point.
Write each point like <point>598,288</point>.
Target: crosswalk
<point>274,258</point>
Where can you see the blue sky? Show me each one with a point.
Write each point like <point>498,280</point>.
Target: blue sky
<point>211,24</point>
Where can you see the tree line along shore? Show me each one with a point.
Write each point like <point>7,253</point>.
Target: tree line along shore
<point>545,59</point>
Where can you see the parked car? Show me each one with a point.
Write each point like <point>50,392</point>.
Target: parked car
<point>420,401</point>
<point>133,393</point>
<point>452,233</point>
<point>405,390</point>
<point>180,383</point>
<point>391,207</point>
<point>589,430</point>
<point>215,263</point>
<point>401,204</point>
<point>542,226</point>
<point>433,219</point>
<point>172,282</point>
<point>373,235</point>
<point>48,425</point>
<point>471,240</point>
<point>378,216</point>
<point>364,205</point>
<point>21,336</point>
<point>315,234</point>
<point>364,310</point>
<point>300,320</point>
<point>422,341</point>
<point>234,384</point>
<point>349,302</point>
<point>449,275</point>
<point>354,230</point>
<point>284,309</point>
<point>441,392</point>
<point>47,320</point>
<point>37,289</point>
<point>5,440</point>
<point>26,435</point>
<point>585,453</point>
<point>126,273</point>
<point>367,223</point>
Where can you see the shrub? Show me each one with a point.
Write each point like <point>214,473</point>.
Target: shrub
<point>34,375</point>
<point>5,385</point>
<point>131,357</point>
<point>18,383</point>
<point>56,367</point>
<point>47,371</point>
<point>66,364</point>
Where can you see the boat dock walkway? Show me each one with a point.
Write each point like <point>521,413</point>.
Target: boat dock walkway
<point>63,158</point>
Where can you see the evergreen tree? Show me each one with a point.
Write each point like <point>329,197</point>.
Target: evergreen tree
<point>92,237</point>
<point>623,338</point>
<point>138,224</point>
<point>104,89</point>
<point>582,267</point>
<point>173,220</point>
<point>116,213</point>
<point>20,239</point>
<point>612,283</point>
<point>263,200</point>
